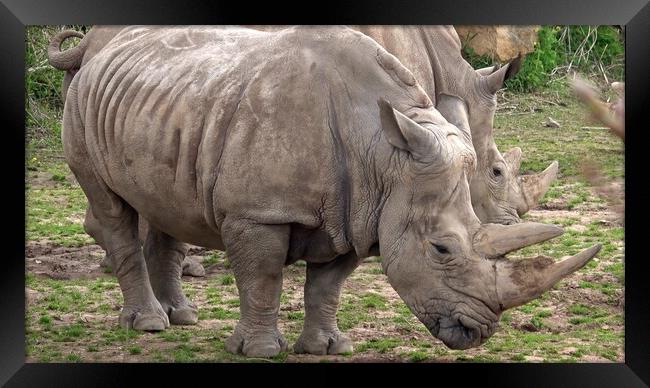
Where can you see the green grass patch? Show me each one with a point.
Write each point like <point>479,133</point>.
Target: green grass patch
<point>381,345</point>
<point>375,301</point>
<point>227,280</point>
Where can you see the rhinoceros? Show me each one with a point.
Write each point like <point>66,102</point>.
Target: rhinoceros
<point>310,144</point>
<point>433,54</point>
<point>499,195</point>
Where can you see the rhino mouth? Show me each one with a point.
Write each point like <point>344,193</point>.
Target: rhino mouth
<point>461,332</point>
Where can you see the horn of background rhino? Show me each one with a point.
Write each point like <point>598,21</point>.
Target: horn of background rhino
<point>519,282</point>
<point>495,240</point>
<point>534,186</point>
<point>70,58</point>
<point>512,158</point>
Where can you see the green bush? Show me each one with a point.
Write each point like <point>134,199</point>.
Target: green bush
<point>539,64</point>
<point>587,48</point>
<point>592,50</point>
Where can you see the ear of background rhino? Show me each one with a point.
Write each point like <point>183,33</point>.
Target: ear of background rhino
<point>496,80</point>
<point>406,134</point>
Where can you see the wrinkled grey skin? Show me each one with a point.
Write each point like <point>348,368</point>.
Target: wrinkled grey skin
<point>433,54</point>
<point>71,61</point>
<point>283,146</point>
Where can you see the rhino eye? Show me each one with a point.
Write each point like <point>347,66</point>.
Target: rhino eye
<point>441,249</point>
<point>496,171</point>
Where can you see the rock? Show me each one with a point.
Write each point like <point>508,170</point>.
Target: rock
<point>528,327</point>
<point>577,228</point>
<point>568,351</point>
<point>502,43</point>
<point>550,123</point>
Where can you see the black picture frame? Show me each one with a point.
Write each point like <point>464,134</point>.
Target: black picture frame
<point>16,14</point>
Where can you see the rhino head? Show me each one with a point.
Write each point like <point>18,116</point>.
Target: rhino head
<point>448,267</point>
<point>499,194</point>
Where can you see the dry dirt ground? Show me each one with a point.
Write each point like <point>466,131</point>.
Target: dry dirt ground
<point>73,303</point>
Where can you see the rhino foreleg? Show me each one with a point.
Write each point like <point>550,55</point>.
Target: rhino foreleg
<point>164,256</point>
<point>257,254</point>
<point>321,334</point>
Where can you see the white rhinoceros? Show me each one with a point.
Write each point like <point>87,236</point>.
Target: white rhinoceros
<point>433,53</point>
<point>280,147</point>
<point>499,194</point>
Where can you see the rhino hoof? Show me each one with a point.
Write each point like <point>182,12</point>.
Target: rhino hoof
<point>147,320</point>
<point>184,315</point>
<point>192,268</point>
<point>323,343</point>
<point>144,322</point>
<point>257,345</point>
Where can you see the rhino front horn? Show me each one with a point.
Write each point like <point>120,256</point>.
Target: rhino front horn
<point>534,186</point>
<point>518,282</point>
<point>495,240</point>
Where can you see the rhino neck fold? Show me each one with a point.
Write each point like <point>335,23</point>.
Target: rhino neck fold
<point>362,160</point>
<point>446,62</point>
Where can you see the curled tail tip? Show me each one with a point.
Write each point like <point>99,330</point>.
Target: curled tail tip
<point>68,59</point>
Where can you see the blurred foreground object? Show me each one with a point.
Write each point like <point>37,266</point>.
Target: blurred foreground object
<point>612,115</point>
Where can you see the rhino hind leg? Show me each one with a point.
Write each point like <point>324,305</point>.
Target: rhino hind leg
<point>164,256</point>
<point>94,230</point>
<point>321,334</point>
<point>141,310</point>
<point>257,255</point>
<point>118,223</point>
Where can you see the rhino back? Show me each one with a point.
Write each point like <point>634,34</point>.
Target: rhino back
<point>192,125</point>
<point>432,53</point>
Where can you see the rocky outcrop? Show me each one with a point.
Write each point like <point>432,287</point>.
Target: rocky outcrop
<point>499,42</point>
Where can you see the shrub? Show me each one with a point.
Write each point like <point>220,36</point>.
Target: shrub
<point>595,50</point>
<point>537,65</point>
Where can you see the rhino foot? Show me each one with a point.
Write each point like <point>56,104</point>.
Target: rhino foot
<point>191,267</point>
<point>257,343</point>
<point>322,342</point>
<point>182,314</point>
<point>151,318</point>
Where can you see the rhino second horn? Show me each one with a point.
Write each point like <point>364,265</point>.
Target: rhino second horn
<point>513,159</point>
<point>534,186</point>
<point>495,240</point>
<point>519,282</point>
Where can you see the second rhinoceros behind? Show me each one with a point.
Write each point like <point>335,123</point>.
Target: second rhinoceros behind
<point>280,147</point>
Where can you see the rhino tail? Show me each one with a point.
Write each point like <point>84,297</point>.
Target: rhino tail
<point>69,59</point>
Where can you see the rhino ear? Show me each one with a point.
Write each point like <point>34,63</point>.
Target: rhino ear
<point>496,79</point>
<point>487,70</point>
<point>406,134</point>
